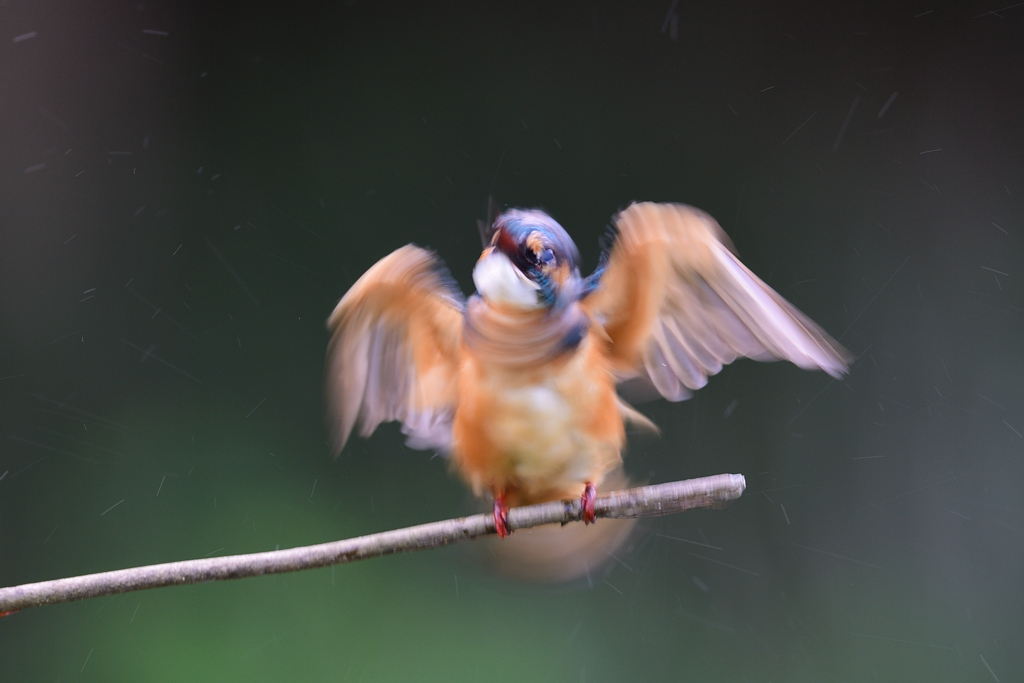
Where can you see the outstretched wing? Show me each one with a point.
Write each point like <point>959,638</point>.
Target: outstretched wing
<point>394,351</point>
<point>677,305</point>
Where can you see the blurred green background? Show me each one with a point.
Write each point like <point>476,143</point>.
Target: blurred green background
<point>186,189</point>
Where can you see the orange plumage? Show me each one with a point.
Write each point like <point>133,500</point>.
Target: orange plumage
<point>518,385</point>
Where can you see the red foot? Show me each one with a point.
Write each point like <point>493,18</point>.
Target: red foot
<point>4,614</point>
<point>501,516</point>
<point>587,503</point>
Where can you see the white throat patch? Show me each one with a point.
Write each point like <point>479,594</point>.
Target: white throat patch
<point>499,281</point>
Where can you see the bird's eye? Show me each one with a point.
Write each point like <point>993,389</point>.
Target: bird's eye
<point>545,257</point>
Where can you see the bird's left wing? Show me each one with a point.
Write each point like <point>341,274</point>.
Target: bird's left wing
<point>394,351</point>
<point>676,305</point>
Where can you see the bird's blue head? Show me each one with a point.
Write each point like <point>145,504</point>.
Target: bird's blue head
<point>531,262</point>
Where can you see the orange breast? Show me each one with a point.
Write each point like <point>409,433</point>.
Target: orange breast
<point>537,433</point>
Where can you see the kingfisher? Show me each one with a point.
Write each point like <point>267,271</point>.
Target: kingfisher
<point>518,385</point>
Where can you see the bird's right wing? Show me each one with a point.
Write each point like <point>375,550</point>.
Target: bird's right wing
<point>394,351</point>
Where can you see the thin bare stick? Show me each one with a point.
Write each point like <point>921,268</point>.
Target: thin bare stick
<point>645,501</point>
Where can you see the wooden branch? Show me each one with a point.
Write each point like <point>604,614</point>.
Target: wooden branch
<point>645,501</point>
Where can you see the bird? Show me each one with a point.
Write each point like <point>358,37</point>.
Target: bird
<point>518,384</point>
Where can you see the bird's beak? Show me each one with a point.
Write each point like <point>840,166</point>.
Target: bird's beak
<point>504,243</point>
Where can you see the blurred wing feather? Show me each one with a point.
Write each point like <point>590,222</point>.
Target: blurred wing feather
<point>678,305</point>
<point>394,351</point>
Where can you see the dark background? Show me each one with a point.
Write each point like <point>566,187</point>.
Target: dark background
<point>186,189</point>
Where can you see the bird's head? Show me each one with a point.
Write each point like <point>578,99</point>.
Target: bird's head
<point>531,263</point>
